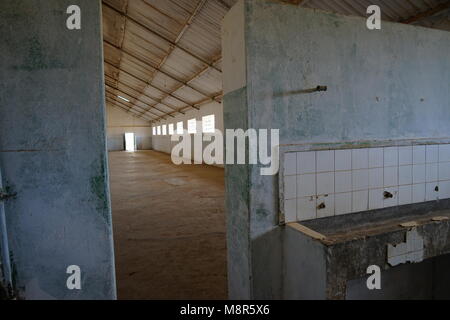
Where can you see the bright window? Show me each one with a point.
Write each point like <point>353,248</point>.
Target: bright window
<point>192,126</point>
<point>171,129</point>
<point>159,130</point>
<point>154,131</point>
<point>209,124</point>
<point>180,128</point>
<point>164,130</point>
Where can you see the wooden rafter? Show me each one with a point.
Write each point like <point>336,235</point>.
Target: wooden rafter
<point>431,12</point>
<point>156,100</point>
<point>224,4</point>
<point>186,26</point>
<point>127,109</point>
<point>197,105</point>
<point>158,69</point>
<point>132,97</point>
<point>110,95</point>
<point>142,112</point>
<point>294,2</point>
<point>180,110</point>
<point>168,41</point>
<point>151,85</point>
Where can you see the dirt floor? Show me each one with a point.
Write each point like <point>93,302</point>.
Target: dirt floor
<point>169,228</point>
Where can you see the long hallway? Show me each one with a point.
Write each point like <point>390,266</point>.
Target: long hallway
<point>169,228</point>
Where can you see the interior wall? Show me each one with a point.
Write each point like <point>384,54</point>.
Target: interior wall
<point>120,122</point>
<point>382,85</point>
<point>164,143</point>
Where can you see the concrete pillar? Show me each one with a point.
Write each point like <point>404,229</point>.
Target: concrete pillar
<point>53,150</point>
<point>254,240</point>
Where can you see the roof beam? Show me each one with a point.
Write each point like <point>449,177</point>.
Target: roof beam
<point>158,69</point>
<point>198,104</point>
<point>151,85</point>
<point>186,26</point>
<point>224,4</point>
<point>439,8</point>
<point>127,109</point>
<point>202,72</point>
<point>113,96</point>
<point>170,42</point>
<point>142,113</point>
<point>158,101</point>
<point>136,99</point>
<point>172,46</point>
<point>141,110</point>
<point>180,110</point>
<point>294,2</point>
<point>132,97</point>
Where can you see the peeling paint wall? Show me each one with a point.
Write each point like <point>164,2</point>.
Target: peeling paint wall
<point>382,85</point>
<point>388,84</point>
<point>53,149</point>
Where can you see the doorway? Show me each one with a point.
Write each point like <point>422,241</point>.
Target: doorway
<point>169,221</point>
<point>130,142</point>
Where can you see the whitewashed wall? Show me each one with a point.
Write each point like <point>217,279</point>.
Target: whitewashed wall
<point>164,144</point>
<point>119,122</point>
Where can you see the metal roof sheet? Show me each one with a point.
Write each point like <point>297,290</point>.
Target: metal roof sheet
<point>166,54</point>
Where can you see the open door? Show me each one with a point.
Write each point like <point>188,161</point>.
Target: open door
<point>130,142</point>
<point>53,151</point>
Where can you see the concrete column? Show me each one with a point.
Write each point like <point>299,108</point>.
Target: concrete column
<point>53,149</point>
<point>254,247</point>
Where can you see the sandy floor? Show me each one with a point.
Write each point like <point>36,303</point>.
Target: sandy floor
<point>169,228</point>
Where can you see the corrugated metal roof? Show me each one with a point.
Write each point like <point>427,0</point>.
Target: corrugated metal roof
<point>164,56</point>
<point>392,10</point>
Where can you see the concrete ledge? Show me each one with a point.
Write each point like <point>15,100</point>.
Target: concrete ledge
<point>352,243</point>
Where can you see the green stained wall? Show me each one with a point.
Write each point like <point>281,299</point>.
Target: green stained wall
<point>53,149</point>
<point>382,85</point>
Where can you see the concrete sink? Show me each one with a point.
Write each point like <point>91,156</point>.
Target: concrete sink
<point>329,258</point>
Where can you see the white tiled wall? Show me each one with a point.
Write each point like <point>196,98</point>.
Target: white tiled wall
<point>320,184</point>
